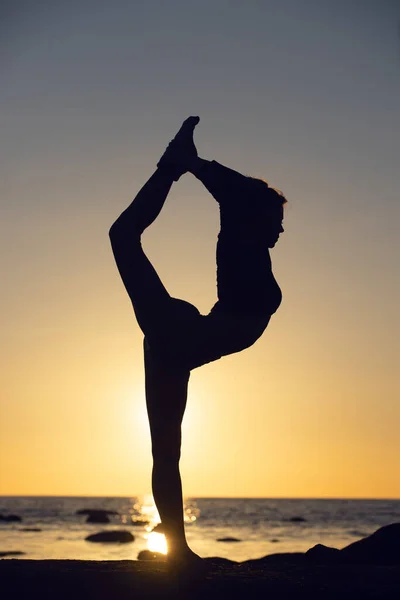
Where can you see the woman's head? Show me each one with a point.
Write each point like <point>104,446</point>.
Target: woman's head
<point>267,213</point>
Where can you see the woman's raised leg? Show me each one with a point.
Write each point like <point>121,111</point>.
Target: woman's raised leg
<point>151,301</point>
<point>148,295</point>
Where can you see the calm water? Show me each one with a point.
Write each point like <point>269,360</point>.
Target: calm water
<point>256,522</point>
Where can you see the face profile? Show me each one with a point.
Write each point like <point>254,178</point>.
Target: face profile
<point>267,210</point>
<point>267,229</point>
<point>273,232</point>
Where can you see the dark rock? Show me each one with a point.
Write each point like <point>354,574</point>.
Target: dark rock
<point>324,554</point>
<point>228,539</point>
<point>121,537</point>
<point>379,548</point>
<point>148,555</point>
<point>96,515</point>
<point>11,518</point>
<point>282,558</point>
<point>216,561</point>
<point>11,553</point>
<point>297,520</point>
<point>97,518</point>
<point>139,523</point>
<point>30,529</point>
<point>274,541</point>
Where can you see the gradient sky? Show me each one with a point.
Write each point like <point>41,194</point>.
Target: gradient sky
<point>305,93</point>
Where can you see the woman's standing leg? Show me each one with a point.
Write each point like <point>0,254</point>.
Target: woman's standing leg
<point>166,395</point>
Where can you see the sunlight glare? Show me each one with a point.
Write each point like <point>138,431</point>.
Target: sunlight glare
<point>157,543</point>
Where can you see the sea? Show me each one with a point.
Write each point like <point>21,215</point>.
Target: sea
<point>50,527</point>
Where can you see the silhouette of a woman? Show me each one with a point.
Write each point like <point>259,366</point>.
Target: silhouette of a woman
<point>177,337</point>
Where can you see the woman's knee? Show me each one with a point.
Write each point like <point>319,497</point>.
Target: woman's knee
<point>124,230</point>
<point>127,249</point>
<point>166,434</point>
<point>115,230</point>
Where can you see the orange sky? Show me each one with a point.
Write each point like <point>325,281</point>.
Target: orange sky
<point>311,410</point>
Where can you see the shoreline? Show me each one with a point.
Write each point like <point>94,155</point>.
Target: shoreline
<point>368,568</point>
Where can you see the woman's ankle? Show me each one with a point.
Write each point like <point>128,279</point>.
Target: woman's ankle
<point>196,165</point>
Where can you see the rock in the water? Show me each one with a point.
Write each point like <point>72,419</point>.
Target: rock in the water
<point>30,529</point>
<point>139,523</point>
<point>379,548</point>
<point>11,518</point>
<point>121,537</point>
<point>148,555</point>
<point>274,540</point>
<point>324,554</point>
<point>297,520</point>
<point>11,553</point>
<point>96,515</point>
<point>228,539</point>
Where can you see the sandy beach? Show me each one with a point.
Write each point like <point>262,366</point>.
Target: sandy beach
<point>277,576</point>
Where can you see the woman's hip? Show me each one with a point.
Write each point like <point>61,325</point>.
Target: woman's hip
<point>200,339</point>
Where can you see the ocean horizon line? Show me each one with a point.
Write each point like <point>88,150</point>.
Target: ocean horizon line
<point>191,496</point>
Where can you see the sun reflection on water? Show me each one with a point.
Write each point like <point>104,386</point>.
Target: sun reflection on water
<point>146,511</point>
<point>156,542</point>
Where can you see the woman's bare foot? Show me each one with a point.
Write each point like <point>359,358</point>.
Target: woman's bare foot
<point>181,152</point>
<point>187,564</point>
